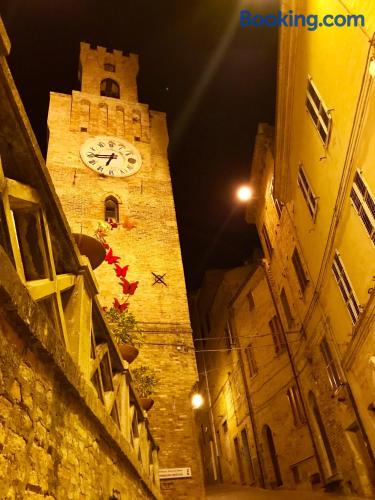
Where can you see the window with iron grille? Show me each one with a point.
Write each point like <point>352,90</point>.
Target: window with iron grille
<point>318,112</point>
<point>267,240</point>
<point>331,367</point>
<point>307,192</point>
<point>296,406</point>
<point>364,203</point>
<point>277,334</point>
<point>286,307</point>
<point>111,211</point>
<point>300,271</point>
<point>250,301</point>
<point>346,288</point>
<point>253,369</point>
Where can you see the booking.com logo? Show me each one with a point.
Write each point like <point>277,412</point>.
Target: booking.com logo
<point>292,20</point>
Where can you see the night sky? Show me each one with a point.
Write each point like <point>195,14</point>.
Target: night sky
<point>214,79</point>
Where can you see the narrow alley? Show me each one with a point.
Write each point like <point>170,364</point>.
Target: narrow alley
<point>236,492</point>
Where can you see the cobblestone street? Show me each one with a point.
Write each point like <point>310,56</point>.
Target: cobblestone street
<point>236,492</point>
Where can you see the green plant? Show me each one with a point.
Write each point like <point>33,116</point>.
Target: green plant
<point>145,380</point>
<point>124,326</point>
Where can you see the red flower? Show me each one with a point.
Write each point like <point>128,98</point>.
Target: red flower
<point>121,271</point>
<point>105,245</point>
<point>112,223</point>
<point>120,307</point>
<point>110,258</point>
<point>128,288</point>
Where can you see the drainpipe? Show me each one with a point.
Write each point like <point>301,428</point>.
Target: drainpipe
<point>250,406</point>
<point>295,375</point>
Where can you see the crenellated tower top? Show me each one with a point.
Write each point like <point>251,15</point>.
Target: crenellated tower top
<point>106,72</point>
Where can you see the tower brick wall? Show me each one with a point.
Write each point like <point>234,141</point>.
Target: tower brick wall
<point>152,246</point>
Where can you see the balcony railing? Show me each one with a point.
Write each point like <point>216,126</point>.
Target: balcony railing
<point>68,299</point>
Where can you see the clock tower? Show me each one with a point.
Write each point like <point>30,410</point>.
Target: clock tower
<point>107,155</point>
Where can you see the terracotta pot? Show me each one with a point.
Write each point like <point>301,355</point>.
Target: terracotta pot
<point>147,403</point>
<point>128,352</point>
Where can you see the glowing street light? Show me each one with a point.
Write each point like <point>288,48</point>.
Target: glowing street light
<point>244,193</point>
<point>197,400</point>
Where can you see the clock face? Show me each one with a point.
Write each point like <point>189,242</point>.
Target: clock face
<point>111,156</point>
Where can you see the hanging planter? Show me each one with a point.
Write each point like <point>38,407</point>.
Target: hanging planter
<point>145,382</point>
<point>147,403</point>
<point>128,352</point>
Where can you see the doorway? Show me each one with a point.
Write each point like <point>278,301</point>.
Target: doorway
<point>247,455</point>
<point>276,480</point>
<point>326,453</point>
<point>239,461</point>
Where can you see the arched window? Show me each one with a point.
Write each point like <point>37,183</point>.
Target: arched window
<point>109,67</point>
<point>111,209</point>
<point>109,88</point>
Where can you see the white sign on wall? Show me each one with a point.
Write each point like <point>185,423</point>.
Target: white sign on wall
<point>176,473</point>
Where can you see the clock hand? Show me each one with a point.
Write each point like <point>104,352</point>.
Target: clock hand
<point>110,158</point>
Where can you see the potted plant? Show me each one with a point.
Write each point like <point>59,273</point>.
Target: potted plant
<point>126,332</point>
<point>145,382</point>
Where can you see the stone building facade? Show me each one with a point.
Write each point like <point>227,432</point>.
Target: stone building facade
<point>310,391</point>
<point>71,423</point>
<point>107,109</point>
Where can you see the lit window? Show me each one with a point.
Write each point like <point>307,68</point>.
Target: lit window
<point>267,240</point>
<point>109,88</point>
<point>331,367</point>
<point>318,112</point>
<point>296,406</point>
<point>300,271</point>
<point>346,288</point>
<point>111,209</point>
<point>109,67</point>
<point>253,369</point>
<point>277,334</point>
<point>364,204</point>
<point>308,193</point>
<point>286,307</point>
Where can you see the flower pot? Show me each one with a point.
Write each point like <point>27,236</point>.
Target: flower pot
<point>128,352</point>
<point>147,403</point>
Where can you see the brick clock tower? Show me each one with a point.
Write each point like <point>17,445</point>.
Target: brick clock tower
<point>107,155</point>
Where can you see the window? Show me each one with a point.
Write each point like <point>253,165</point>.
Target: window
<point>332,371</point>
<point>109,67</point>
<point>346,288</point>
<point>250,301</point>
<point>308,194</point>
<point>364,203</point>
<point>111,211</point>
<point>253,369</point>
<point>109,88</point>
<point>267,240</point>
<point>278,204</point>
<point>300,271</point>
<point>318,112</point>
<point>229,340</point>
<point>295,402</point>
<point>286,307</point>
<point>277,334</point>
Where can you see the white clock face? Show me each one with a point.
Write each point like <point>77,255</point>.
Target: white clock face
<point>111,156</point>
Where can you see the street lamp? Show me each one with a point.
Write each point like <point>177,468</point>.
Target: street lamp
<point>244,193</point>
<point>197,400</point>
